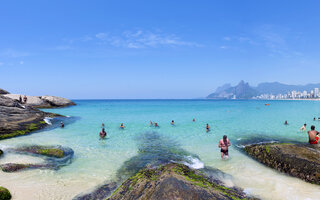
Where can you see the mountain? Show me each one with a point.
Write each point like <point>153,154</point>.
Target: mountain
<point>241,91</point>
<point>244,91</point>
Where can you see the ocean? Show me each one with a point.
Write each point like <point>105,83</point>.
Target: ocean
<point>124,151</point>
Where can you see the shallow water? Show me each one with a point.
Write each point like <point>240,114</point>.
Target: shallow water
<point>96,161</point>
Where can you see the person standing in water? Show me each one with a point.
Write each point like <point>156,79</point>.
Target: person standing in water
<point>193,119</point>
<point>122,126</point>
<point>61,124</point>
<point>151,124</point>
<point>102,125</point>
<point>286,123</point>
<point>156,125</point>
<point>224,144</point>
<point>313,135</point>
<point>103,133</point>
<point>303,128</point>
<point>172,122</point>
<point>208,128</point>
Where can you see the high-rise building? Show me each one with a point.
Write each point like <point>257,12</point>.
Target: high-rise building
<point>316,92</point>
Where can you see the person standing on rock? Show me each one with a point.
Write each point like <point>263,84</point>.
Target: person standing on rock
<point>25,99</point>
<point>224,144</point>
<point>313,135</point>
<point>20,99</point>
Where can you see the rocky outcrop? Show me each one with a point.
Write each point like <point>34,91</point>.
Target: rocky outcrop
<point>2,91</point>
<point>17,119</point>
<point>1,152</point>
<point>43,101</point>
<point>174,181</point>
<point>4,194</point>
<point>54,158</point>
<point>298,160</point>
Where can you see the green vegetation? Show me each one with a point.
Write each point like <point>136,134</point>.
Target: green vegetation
<point>4,194</point>
<point>58,153</point>
<point>267,149</point>
<point>31,127</point>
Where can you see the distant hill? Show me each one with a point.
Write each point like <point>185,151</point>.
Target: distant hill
<point>241,91</point>
<point>244,91</point>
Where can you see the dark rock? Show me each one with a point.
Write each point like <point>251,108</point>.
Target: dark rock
<point>2,91</point>
<point>174,181</point>
<point>301,161</point>
<point>1,152</point>
<point>4,194</point>
<point>54,158</point>
<point>100,193</point>
<point>15,167</point>
<point>17,119</point>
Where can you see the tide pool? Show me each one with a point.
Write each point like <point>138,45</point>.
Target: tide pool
<point>99,161</point>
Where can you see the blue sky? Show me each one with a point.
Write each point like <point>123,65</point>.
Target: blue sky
<point>155,49</point>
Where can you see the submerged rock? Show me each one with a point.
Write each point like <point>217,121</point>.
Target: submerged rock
<point>101,193</point>
<point>57,152</point>
<point>43,101</point>
<point>174,181</point>
<point>4,194</point>
<point>298,160</point>
<point>54,158</point>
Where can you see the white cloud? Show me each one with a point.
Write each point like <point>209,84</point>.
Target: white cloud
<point>142,39</point>
<point>13,53</point>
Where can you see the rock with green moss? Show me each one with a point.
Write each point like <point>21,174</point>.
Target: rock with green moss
<point>4,194</point>
<point>50,151</point>
<point>174,181</point>
<point>15,167</point>
<point>298,160</point>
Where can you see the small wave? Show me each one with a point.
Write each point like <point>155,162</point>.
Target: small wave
<point>48,120</point>
<point>195,163</point>
<point>68,116</point>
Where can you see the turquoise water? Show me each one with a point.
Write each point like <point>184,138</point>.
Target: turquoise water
<point>97,161</point>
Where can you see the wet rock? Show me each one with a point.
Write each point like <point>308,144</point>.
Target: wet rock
<point>1,152</point>
<point>298,160</point>
<point>17,119</point>
<point>54,157</point>
<point>4,194</point>
<point>174,181</point>
<point>57,152</point>
<point>100,193</point>
<point>15,167</point>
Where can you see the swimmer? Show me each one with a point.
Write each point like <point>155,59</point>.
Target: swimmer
<point>156,124</point>
<point>102,125</point>
<point>318,118</point>
<point>313,135</point>
<point>224,144</point>
<point>61,124</point>
<point>208,128</point>
<point>314,119</point>
<point>122,126</point>
<point>286,123</point>
<point>193,119</point>
<point>303,128</point>
<point>151,124</point>
<point>102,133</point>
<point>172,122</point>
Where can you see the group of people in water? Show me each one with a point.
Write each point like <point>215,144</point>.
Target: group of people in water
<point>224,143</point>
<point>313,134</point>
